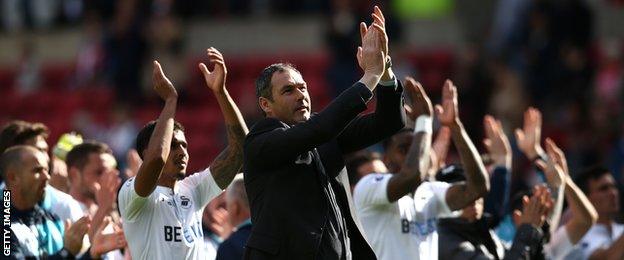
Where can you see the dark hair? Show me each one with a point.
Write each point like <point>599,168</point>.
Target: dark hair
<point>263,82</point>
<point>79,155</point>
<point>591,173</point>
<point>390,140</point>
<point>18,132</point>
<point>12,156</point>
<point>144,136</point>
<point>356,160</point>
<point>451,174</point>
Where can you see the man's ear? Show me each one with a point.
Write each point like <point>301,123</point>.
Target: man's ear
<point>11,176</point>
<point>265,105</point>
<point>73,175</point>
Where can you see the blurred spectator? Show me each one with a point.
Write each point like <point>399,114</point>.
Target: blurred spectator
<point>609,77</point>
<point>90,57</point>
<point>126,49</point>
<point>507,97</point>
<point>342,38</point>
<point>37,14</point>
<point>164,33</point>
<point>94,182</point>
<point>89,164</point>
<point>121,132</point>
<point>35,134</point>
<point>605,240</point>
<point>28,77</point>
<point>36,232</point>
<point>215,225</point>
<point>237,207</point>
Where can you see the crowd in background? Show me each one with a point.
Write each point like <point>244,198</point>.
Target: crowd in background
<point>536,53</point>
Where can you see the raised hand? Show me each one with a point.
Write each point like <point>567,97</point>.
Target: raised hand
<point>370,54</point>
<point>74,234</point>
<point>162,85</point>
<point>556,154</point>
<point>440,148</point>
<point>106,190</point>
<point>536,209</point>
<point>528,137</point>
<point>378,18</point>
<point>555,168</point>
<point>382,38</point>
<point>215,79</point>
<point>419,102</point>
<point>496,142</point>
<point>447,112</point>
<point>103,242</point>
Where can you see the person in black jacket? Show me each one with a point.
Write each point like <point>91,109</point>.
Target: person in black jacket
<point>294,163</point>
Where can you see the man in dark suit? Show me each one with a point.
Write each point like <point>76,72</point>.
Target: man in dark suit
<point>237,206</point>
<point>294,164</point>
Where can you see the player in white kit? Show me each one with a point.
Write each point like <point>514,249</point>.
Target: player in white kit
<point>399,211</point>
<point>160,208</point>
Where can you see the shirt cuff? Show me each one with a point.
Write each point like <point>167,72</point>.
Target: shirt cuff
<point>389,83</point>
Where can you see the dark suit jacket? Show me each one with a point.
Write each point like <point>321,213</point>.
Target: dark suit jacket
<point>234,246</point>
<point>283,172</point>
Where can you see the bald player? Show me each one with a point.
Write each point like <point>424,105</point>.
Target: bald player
<point>35,232</point>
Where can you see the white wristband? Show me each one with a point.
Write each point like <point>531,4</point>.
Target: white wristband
<point>424,123</point>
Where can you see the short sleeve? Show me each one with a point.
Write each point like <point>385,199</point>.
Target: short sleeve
<point>371,190</point>
<point>131,205</point>
<point>203,187</point>
<point>559,245</point>
<point>437,190</point>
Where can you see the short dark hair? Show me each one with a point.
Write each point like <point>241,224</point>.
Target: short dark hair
<point>591,173</point>
<point>143,137</point>
<point>263,82</point>
<point>79,155</point>
<point>356,160</point>
<point>451,174</point>
<point>18,132</point>
<point>12,156</point>
<point>390,140</point>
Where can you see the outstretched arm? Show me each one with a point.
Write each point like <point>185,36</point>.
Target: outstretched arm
<point>584,213</point>
<point>229,162</point>
<point>499,151</point>
<point>389,115</point>
<point>159,145</point>
<point>477,182</point>
<point>417,160</point>
<point>278,144</point>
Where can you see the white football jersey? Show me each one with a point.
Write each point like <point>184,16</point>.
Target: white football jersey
<point>167,224</point>
<point>404,229</point>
